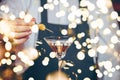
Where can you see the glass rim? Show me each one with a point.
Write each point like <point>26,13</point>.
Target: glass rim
<point>56,37</point>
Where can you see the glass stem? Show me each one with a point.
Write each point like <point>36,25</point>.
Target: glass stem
<point>60,62</point>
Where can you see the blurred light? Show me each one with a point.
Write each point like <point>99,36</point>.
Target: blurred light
<point>105,73</point>
<point>90,17</point>
<point>95,40</point>
<point>114,15</point>
<point>51,7</point>
<point>101,23</point>
<point>71,39</point>
<point>79,35</point>
<point>115,53</point>
<point>28,18</point>
<point>56,2</point>
<point>106,31</point>
<point>108,4</point>
<point>94,25</point>
<point>108,65</point>
<point>73,8</point>
<point>101,3</point>
<point>60,13</point>
<point>101,64</point>
<point>114,25</point>
<point>63,1</point>
<point>52,54</point>
<point>87,78</point>
<point>12,34</point>
<point>76,42</point>
<point>29,63</point>
<point>97,71</point>
<point>32,53</point>
<point>82,34</point>
<point>66,67</point>
<point>64,32</point>
<point>40,9</point>
<point>73,25</point>
<point>58,43</point>
<point>22,14</point>
<point>1,78</point>
<point>80,55</point>
<point>8,62</point>
<point>104,10</point>
<point>79,71</point>
<point>85,13</point>
<point>118,18</point>
<point>20,54</point>
<point>8,46</point>
<point>118,32</point>
<point>6,9</point>
<point>91,6</point>
<point>5,38</point>
<point>34,28</point>
<point>7,54</point>
<point>102,49</point>
<point>39,53</point>
<point>113,70</point>
<point>110,74</point>
<point>88,40</point>
<point>18,68</point>
<point>114,39</point>
<point>111,46</point>
<point>92,53</point>
<point>84,44</point>
<point>78,12</point>
<point>49,1</point>
<point>99,75</point>
<point>31,78</point>
<point>78,46</point>
<point>46,59</point>
<point>71,17</point>
<point>117,67</point>
<point>45,63</point>
<point>66,4</point>
<point>84,18</point>
<point>13,57</point>
<point>12,17</point>
<point>91,68</point>
<point>3,61</point>
<point>2,7</point>
<point>83,3</point>
<point>69,64</point>
<point>46,6</point>
<point>78,21</point>
<point>89,46</point>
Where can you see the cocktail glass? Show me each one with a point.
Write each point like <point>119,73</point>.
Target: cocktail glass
<point>59,45</point>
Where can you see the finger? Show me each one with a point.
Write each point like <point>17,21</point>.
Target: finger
<point>21,28</point>
<point>21,35</point>
<point>23,23</point>
<point>19,41</point>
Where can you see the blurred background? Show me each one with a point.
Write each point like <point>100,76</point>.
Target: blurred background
<point>76,69</point>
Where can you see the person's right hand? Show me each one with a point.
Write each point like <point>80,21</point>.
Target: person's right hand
<point>21,31</point>
<point>17,30</point>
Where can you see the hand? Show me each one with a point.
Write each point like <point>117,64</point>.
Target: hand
<point>20,32</point>
<point>17,30</point>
